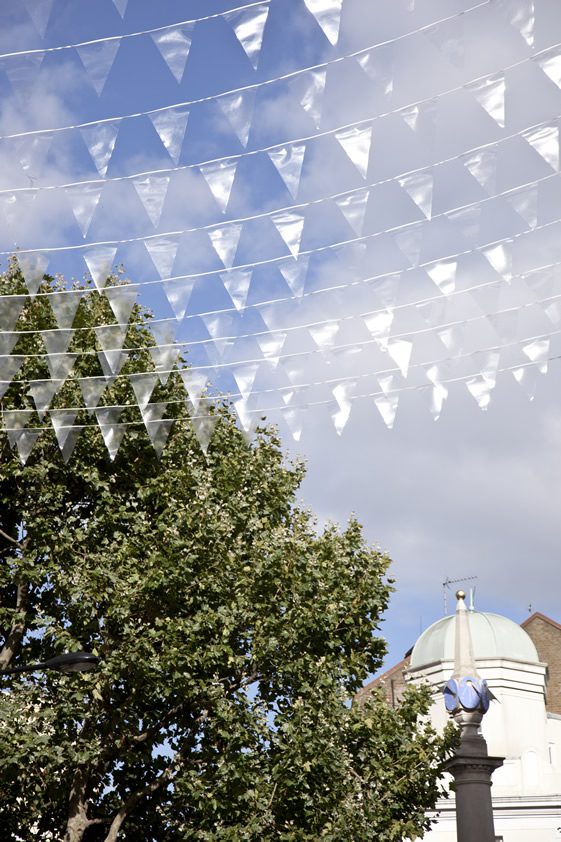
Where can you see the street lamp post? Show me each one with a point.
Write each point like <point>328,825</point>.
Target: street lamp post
<point>67,663</point>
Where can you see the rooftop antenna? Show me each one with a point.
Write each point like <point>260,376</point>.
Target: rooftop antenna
<point>446,586</point>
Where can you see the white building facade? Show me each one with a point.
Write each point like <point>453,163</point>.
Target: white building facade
<point>526,790</point>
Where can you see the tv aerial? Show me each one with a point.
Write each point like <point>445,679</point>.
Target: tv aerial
<point>446,587</point>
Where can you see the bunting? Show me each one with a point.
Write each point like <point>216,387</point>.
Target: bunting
<point>290,226</point>
<point>219,177</point>
<point>309,87</point>
<point>225,242</point>
<point>98,59</point>
<point>171,125</point>
<point>174,45</point>
<point>357,142</point>
<point>152,191</point>
<point>84,200</point>
<point>40,13</point>
<point>100,138</point>
<point>238,110</point>
<point>328,15</point>
<point>490,94</point>
<point>288,161</point>
<point>249,25</point>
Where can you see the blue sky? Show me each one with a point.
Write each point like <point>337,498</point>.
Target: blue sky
<point>433,157</point>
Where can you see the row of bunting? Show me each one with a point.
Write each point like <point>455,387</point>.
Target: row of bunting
<point>308,85</point>
<point>158,418</point>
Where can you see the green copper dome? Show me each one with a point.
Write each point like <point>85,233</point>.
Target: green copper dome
<point>492,636</point>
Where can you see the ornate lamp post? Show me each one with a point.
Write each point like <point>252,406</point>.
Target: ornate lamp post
<point>467,699</point>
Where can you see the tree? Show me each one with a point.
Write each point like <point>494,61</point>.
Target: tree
<point>231,633</point>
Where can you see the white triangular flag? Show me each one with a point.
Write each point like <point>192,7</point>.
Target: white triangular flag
<point>14,420</point>
<point>66,434</point>
<point>165,353</point>
<point>550,63</point>
<point>143,385</point>
<point>522,15</point>
<point>294,272</point>
<point>237,284</point>
<point>111,339</point>
<point>32,153</point>
<point>111,431</point>
<point>452,337</point>
<point>162,250</point>
<point>171,125</point>
<point>443,274</point>
<point>418,116</point>
<point>22,72</point>
<point>482,165</point>
<point>84,199</point>
<point>288,161</point>
<point>380,324</point>
<point>387,382</point>
<point>174,44</point>
<point>527,377</point>
<point>33,267</point>
<point>42,392</point>
<point>238,110</point>
<point>545,140</point>
<point>310,89</point>
<point>98,59</point>
<point>525,203</point>
<point>39,11</point>
<point>121,6</point>
<point>500,258</point>
<point>439,394</point>
<point>220,175</point>
<point>248,419</point>
<point>468,221</point>
<point>219,327</point>
<point>196,383</point>
<point>448,36</point>
<point>419,187</point>
<point>245,375</point>
<point>537,351</point>
<point>92,389</point>
<point>490,94</point>
<point>225,242</point>
<point>9,208</point>
<point>328,15</point>
<point>248,25</point>
<point>357,142</point>
<point>378,65</point>
<point>387,407</point>
<point>122,299</point>
<point>60,365</point>
<point>433,312</point>
<point>100,138</point>
<point>294,419</point>
<point>400,351</point>
<point>24,441</point>
<point>290,226</point>
<point>9,367</point>
<point>152,191</point>
<point>271,345</point>
<point>178,293</point>
<point>10,310</point>
<point>99,261</point>
<point>553,312</point>
<point>64,306</point>
<point>157,427</point>
<point>8,341</point>
<point>203,427</point>
<point>353,206</point>
<point>324,335</point>
<point>480,389</point>
<point>506,325</point>
<point>56,341</point>
<point>409,242</point>
<point>342,393</point>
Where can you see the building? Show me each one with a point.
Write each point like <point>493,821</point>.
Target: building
<point>522,665</point>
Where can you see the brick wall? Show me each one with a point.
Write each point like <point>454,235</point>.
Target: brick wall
<point>392,682</point>
<point>546,635</point>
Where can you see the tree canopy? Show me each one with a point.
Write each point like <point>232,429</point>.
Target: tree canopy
<point>232,632</point>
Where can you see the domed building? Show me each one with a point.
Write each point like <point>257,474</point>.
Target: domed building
<point>522,665</point>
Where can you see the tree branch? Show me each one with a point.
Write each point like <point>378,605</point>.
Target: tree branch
<point>18,627</point>
<point>10,539</point>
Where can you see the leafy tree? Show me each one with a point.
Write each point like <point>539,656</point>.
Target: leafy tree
<point>231,633</point>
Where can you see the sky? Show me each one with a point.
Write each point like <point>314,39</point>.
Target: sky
<point>346,214</point>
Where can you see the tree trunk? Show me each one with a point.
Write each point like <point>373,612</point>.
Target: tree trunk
<point>77,808</point>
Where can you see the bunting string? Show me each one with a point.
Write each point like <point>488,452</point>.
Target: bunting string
<point>482,84</point>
